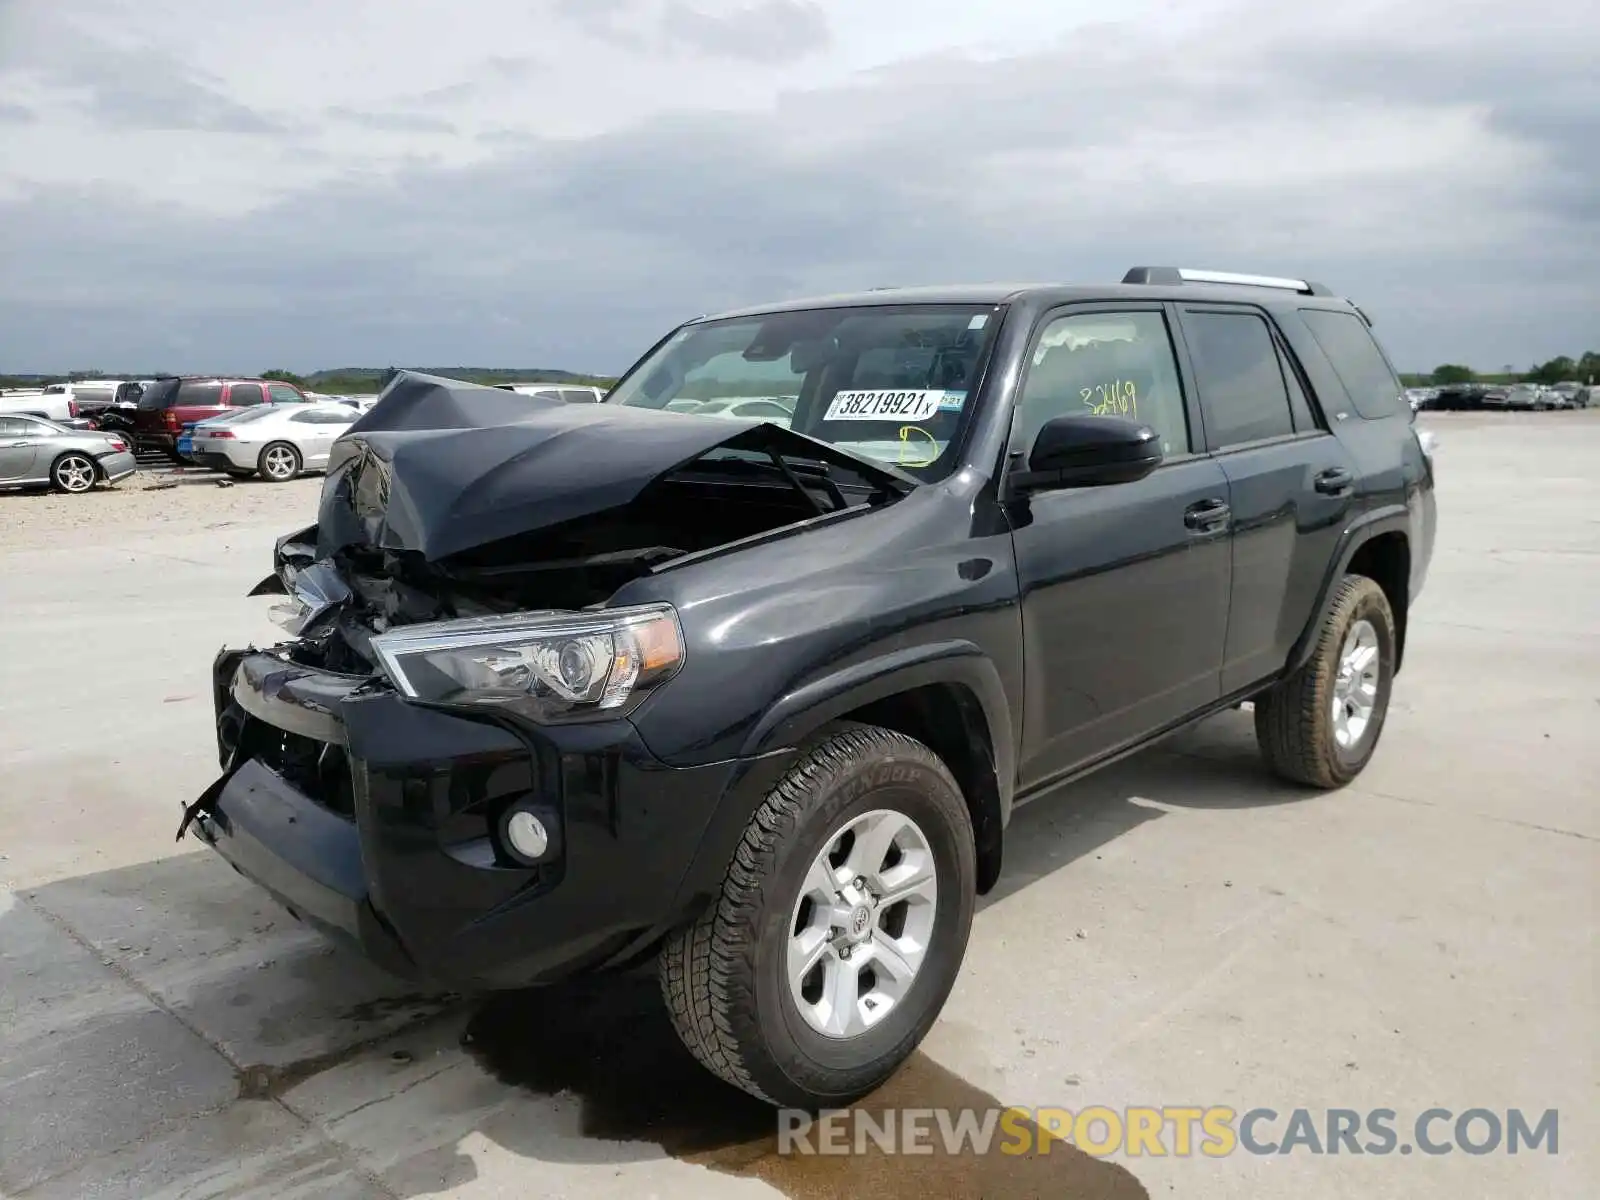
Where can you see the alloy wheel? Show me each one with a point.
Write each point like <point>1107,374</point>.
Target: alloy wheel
<point>1355,688</point>
<point>75,473</point>
<point>279,462</point>
<point>862,924</point>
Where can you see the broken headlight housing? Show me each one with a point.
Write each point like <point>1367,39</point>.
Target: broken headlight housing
<point>556,663</point>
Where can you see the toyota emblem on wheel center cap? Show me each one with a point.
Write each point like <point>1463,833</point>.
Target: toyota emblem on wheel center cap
<point>860,920</point>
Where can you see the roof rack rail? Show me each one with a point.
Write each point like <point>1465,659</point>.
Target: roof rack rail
<point>1172,276</point>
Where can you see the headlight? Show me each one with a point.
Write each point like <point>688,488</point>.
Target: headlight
<point>559,662</point>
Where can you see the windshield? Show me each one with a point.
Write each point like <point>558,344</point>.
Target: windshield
<point>888,382</point>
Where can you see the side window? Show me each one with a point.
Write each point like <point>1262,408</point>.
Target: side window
<point>1305,420</point>
<point>14,427</point>
<point>1361,366</point>
<point>1240,377</point>
<point>206,395</point>
<point>1106,364</point>
<point>242,395</point>
<point>579,396</point>
<point>548,394</point>
<point>282,393</point>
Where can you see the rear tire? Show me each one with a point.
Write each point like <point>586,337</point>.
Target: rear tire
<point>800,984</point>
<point>1320,725</point>
<point>279,462</point>
<point>74,473</point>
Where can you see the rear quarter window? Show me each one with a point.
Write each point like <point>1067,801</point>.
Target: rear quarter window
<point>1359,362</point>
<point>199,394</point>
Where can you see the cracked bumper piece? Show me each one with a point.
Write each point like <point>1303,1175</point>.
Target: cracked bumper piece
<point>381,823</point>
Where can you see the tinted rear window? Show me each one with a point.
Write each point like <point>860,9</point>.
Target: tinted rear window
<point>159,394</point>
<point>1361,366</point>
<point>199,394</point>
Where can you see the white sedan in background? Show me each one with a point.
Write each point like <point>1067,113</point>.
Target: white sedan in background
<point>275,441</point>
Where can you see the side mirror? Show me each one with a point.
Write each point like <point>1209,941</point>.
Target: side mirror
<point>1088,451</point>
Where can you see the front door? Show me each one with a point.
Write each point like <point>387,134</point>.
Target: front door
<point>19,446</point>
<point>1124,588</point>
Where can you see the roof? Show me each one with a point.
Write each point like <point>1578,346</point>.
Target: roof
<point>1003,293</point>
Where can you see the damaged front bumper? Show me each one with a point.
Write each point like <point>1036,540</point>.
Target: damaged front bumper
<point>379,821</point>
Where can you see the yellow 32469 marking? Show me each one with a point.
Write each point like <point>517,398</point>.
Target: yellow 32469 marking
<point>1118,398</point>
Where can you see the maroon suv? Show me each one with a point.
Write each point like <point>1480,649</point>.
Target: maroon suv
<point>170,403</point>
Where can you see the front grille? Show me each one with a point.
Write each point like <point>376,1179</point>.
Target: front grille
<point>318,770</point>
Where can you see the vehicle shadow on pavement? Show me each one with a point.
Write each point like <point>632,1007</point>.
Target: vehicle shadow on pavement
<point>1213,765</point>
<point>611,1044</point>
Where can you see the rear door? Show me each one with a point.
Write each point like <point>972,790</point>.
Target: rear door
<point>1291,483</point>
<point>1124,588</point>
<point>196,400</point>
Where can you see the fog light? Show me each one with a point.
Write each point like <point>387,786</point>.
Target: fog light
<point>526,834</point>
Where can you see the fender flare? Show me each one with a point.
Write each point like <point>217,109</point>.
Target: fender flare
<point>772,747</point>
<point>1394,518</point>
<point>806,708</point>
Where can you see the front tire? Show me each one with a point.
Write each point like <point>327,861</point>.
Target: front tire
<point>840,929</point>
<point>279,463</point>
<point>74,473</point>
<point>1320,725</point>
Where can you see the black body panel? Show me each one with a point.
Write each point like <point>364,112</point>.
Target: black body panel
<point>1066,626</point>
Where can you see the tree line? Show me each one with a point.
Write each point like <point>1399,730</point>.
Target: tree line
<point>1561,369</point>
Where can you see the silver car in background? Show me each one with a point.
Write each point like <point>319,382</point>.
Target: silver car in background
<point>35,451</point>
<point>275,441</point>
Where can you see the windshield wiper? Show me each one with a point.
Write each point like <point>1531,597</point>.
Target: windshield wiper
<point>821,474</point>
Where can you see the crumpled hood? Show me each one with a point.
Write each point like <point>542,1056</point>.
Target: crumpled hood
<point>439,467</point>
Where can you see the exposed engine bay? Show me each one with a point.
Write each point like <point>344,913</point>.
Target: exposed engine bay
<point>427,514</point>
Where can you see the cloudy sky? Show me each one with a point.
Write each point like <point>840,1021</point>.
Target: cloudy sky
<point>194,185</point>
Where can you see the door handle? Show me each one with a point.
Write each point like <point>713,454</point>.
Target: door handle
<point>17,445</point>
<point>1206,516</point>
<point>1335,481</point>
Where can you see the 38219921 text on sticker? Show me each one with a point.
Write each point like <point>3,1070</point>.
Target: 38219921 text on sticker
<point>879,405</point>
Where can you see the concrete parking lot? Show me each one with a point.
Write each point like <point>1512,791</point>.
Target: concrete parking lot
<point>1179,930</point>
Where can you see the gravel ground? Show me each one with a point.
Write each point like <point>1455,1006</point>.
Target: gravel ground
<point>153,500</point>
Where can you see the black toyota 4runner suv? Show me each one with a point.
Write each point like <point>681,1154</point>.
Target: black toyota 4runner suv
<point>574,686</point>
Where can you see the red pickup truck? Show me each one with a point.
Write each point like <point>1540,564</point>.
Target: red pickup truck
<point>168,404</point>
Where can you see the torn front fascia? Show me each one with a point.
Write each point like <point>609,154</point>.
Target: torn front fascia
<point>312,592</point>
<point>290,552</point>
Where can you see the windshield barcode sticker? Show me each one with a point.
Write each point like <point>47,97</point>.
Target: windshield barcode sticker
<point>884,405</point>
